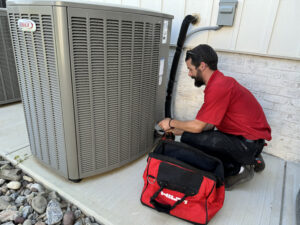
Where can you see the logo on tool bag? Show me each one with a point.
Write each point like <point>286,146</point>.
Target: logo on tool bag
<point>26,25</point>
<point>169,196</point>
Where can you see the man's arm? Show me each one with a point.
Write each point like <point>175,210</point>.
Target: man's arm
<point>193,126</point>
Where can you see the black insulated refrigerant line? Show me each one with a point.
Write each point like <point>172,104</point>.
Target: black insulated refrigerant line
<point>181,38</point>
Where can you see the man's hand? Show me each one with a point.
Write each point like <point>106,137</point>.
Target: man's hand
<point>192,126</point>
<point>177,132</point>
<point>164,124</point>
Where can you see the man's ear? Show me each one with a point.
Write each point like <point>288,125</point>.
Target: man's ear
<point>202,66</point>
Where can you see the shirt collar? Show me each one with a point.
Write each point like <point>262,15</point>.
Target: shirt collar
<point>212,77</point>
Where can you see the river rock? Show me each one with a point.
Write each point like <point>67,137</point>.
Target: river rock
<point>40,223</point>
<point>20,200</point>
<point>79,222</point>
<point>2,181</point>
<point>39,204</point>
<point>26,211</point>
<point>69,218</point>
<point>8,223</point>
<point>6,198</point>
<point>8,215</point>
<point>27,178</point>
<point>15,185</point>
<point>54,212</point>
<point>3,204</point>
<point>27,222</point>
<point>11,174</point>
<point>37,187</point>
<point>19,219</point>
<point>77,213</point>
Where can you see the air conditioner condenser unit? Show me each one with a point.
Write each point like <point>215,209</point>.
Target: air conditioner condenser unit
<point>93,81</point>
<point>9,87</point>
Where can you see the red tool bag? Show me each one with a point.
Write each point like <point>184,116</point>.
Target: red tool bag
<point>184,182</point>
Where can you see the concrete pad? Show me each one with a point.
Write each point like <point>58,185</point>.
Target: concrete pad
<point>13,132</point>
<point>114,197</point>
<point>257,201</point>
<point>292,186</point>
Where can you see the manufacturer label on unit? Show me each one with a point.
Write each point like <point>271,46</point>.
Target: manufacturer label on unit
<point>165,32</point>
<point>26,25</point>
<point>161,70</point>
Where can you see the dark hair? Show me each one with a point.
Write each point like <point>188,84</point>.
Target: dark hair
<point>203,53</point>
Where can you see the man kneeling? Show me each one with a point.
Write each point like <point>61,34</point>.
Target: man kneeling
<point>241,124</point>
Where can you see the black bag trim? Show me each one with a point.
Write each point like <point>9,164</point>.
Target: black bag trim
<point>179,179</point>
<point>176,216</point>
<point>182,164</point>
<point>193,157</point>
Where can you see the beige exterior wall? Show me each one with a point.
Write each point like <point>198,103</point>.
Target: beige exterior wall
<point>267,27</point>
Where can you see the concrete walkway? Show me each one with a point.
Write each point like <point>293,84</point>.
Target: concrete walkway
<point>113,198</point>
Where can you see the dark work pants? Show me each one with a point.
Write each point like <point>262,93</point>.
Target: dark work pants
<point>233,151</point>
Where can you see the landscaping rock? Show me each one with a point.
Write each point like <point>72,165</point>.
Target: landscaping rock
<point>19,219</point>
<point>11,174</point>
<point>8,215</point>
<point>39,204</point>
<point>53,196</point>
<point>27,192</point>
<point>26,211</point>
<point>8,223</point>
<point>20,200</point>
<point>2,181</point>
<point>27,178</point>
<point>40,223</point>
<point>69,218</point>
<point>77,213</point>
<point>3,204</point>
<point>79,222</point>
<point>15,185</point>
<point>27,222</point>
<point>37,188</point>
<point>14,196</point>
<point>6,198</point>
<point>30,197</point>
<point>54,212</point>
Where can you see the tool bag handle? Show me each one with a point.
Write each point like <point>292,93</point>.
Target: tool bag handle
<point>166,208</point>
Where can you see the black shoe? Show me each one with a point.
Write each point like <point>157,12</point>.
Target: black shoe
<point>240,178</point>
<point>259,164</point>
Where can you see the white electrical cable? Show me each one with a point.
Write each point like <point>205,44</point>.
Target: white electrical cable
<point>202,29</point>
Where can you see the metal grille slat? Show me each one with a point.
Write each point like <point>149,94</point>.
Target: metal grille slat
<point>136,88</point>
<point>126,87</point>
<point>112,42</point>
<point>98,87</point>
<point>149,89</point>
<point>82,92</point>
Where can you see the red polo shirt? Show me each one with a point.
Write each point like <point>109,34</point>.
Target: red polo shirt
<point>233,109</point>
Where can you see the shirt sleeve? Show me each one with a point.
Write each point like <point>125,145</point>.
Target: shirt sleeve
<point>215,105</point>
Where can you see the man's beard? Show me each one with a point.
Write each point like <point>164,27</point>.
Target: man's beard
<point>198,79</point>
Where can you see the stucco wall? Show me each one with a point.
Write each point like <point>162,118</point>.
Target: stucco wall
<point>274,82</point>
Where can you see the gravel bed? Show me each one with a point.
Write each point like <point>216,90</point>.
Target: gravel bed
<point>25,201</point>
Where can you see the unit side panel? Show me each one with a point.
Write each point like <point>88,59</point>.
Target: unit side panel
<point>9,89</point>
<point>36,63</point>
<point>115,66</point>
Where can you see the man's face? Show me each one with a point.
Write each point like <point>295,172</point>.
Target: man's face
<point>195,73</point>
